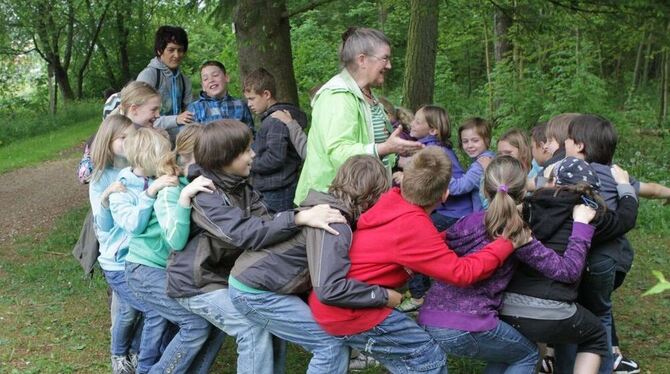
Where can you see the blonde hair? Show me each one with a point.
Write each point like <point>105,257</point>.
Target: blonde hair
<point>558,127</point>
<point>147,149</point>
<point>517,139</point>
<point>437,118</point>
<point>359,182</point>
<point>186,142</point>
<point>505,187</point>
<point>136,93</point>
<point>481,126</point>
<point>426,177</point>
<point>111,129</point>
<point>405,117</point>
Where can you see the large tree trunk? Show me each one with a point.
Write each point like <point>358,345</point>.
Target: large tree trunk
<point>419,80</point>
<point>501,25</point>
<point>95,28</point>
<point>263,36</point>
<point>123,10</point>
<point>53,90</point>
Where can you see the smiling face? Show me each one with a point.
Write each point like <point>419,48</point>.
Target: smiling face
<point>419,127</point>
<point>241,165</point>
<point>473,144</point>
<point>214,81</point>
<point>145,114</point>
<point>506,149</point>
<point>172,55</point>
<point>377,64</point>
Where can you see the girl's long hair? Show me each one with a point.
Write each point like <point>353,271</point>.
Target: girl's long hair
<point>505,187</point>
<point>359,183</point>
<point>517,139</point>
<point>112,128</point>
<point>438,119</point>
<point>136,93</point>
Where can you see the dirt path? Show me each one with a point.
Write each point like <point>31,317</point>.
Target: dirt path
<point>32,198</point>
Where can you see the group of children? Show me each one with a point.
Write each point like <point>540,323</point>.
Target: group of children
<point>199,239</point>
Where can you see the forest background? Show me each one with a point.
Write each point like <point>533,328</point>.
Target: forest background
<point>514,62</point>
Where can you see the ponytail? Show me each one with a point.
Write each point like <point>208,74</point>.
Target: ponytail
<point>505,187</point>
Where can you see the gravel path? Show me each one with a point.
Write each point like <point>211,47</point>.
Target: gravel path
<point>32,198</point>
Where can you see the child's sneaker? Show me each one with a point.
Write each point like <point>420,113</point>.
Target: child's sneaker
<point>134,359</point>
<point>623,365</point>
<point>547,366</point>
<point>362,362</point>
<point>121,365</point>
<point>410,305</point>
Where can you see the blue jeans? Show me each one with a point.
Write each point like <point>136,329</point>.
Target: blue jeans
<point>503,348</point>
<point>192,350</point>
<point>401,346</point>
<point>595,294</point>
<point>289,318</point>
<point>129,310</point>
<point>254,344</point>
<point>280,200</point>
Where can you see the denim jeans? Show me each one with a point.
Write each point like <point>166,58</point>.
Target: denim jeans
<point>503,348</point>
<point>280,200</point>
<point>289,318</point>
<point>401,346</point>
<point>254,344</point>
<point>126,321</point>
<point>193,349</point>
<point>595,294</point>
<point>114,312</point>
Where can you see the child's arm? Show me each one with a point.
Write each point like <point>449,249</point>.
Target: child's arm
<point>654,191</point>
<point>468,182</point>
<point>296,134</point>
<point>100,205</point>
<point>273,157</point>
<point>328,259</point>
<point>613,224</point>
<point>568,267</point>
<point>131,217</point>
<point>248,119</point>
<point>422,249</point>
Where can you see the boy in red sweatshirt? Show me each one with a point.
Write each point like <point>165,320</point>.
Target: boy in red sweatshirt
<point>392,239</point>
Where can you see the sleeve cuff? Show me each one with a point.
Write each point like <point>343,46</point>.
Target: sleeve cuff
<point>626,190</point>
<point>583,230</point>
<point>371,149</point>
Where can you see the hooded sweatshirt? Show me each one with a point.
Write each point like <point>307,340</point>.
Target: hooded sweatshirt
<point>112,237</point>
<point>384,252</point>
<point>277,162</point>
<point>226,222</point>
<point>173,99</point>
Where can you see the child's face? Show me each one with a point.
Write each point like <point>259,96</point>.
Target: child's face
<point>551,146</point>
<point>258,102</point>
<point>473,144</point>
<point>146,114</point>
<point>506,149</point>
<point>419,127</point>
<point>573,149</point>
<point>538,152</point>
<point>214,81</point>
<point>172,55</point>
<point>241,165</point>
<point>117,144</point>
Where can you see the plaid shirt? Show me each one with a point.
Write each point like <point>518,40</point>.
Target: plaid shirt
<point>207,109</point>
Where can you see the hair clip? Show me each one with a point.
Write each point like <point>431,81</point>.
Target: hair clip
<point>589,202</point>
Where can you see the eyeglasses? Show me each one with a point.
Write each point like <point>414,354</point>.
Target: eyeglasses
<point>384,59</point>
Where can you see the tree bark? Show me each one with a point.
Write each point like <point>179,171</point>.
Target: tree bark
<point>502,23</point>
<point>421,53</point>
<point>47,42</point>
<point>123,10</point>
<point>636,70</point>
<point>262,33</point>
<point>95,31</point>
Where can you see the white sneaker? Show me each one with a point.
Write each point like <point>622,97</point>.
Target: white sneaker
<point>121,365</point>
<point>362,362</point>
<point>623,365</point>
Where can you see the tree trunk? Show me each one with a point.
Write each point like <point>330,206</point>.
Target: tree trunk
<point>95,28</point>
<point>123,10</point>
<point>419,81</point>
<point>501,25</point>
<point>636,70</point>
<point>644,75</point>
<point>53,93</point>
<point>262,32</point>
<point>488,68</point>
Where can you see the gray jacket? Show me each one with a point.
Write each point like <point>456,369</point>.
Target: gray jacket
<point>312,258</point>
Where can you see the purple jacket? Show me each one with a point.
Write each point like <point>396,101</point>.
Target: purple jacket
<point>475,308</point>
<point>457,205</point>
<point>469,183</point>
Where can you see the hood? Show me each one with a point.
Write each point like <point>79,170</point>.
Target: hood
<point>156,63</point>
<point>467,234</point>
<point>547,210</point>
<point>315,198</point>
<point>132,181</point>
<point>380,214</point>
<point>296,113</point>
<point>430,140</point>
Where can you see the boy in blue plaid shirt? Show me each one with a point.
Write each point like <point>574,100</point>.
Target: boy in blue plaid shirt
<point>215,102</point>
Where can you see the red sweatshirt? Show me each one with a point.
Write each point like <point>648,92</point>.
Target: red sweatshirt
<point>393,238</point>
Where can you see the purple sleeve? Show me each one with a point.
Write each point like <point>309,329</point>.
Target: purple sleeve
<point>567,268</point>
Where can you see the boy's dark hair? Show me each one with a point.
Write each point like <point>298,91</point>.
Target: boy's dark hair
<point>426,177</point>
<point>597,135</point>
<point>481,126</point>
<point>260,80</point>
<point>539,133</point>
<point>213,63</point>
<point>220,142</point>
<point>170,34</point>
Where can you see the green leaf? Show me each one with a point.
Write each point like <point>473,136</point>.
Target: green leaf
<point>661,286</point>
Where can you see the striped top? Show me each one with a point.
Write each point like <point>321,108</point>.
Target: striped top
<point>379,126</point>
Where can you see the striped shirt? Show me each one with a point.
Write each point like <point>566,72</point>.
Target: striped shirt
<point>381,131</point>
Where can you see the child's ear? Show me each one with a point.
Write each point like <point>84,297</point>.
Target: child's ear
<point>580,147</point>
<point>266,94</point>
<point>433,132</point>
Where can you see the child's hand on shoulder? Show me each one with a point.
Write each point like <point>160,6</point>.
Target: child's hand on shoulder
<point>583,214</point>
<point>199,184</point>
<point>395,298</point>
<point>522,238</point>
<point>162,182</point>
<point>114,187</point>
<point>397,177</point>
<point>320,217</point>
<point>282,115</point>
<point>620,175</point>
<point>484,161</point>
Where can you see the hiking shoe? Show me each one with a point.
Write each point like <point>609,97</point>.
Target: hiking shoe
<point>623,365</point>
<point>548,363</point>
<point>134,359</point>
<point>121,365</point>
<point>362,362</point>
<point>409,305</point>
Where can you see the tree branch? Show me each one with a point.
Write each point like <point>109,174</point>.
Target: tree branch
<point>309,6</point>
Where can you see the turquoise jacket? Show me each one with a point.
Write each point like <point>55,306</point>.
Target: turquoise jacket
<point>112,238</point>
<point>341,128</point>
